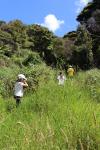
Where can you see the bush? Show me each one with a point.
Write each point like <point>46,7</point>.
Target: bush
<point>36,75</point>
<point>32,59</point>
<point>92,84</point>
<point>7,80</point>
<point>5,61</point>
<point>90,81</point>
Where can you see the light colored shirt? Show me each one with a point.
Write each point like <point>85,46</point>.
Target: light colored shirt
<point>18,90</point>
<point>61,79</point>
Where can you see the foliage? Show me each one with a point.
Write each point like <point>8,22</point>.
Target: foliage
<point>71,35</point>
<point>36,74</point>
<point>32,59</point>
<point>52,118</point>
<point>42,40</point>
<point>92,84</point>
<point>90,17</point>
<point>83,49</point>
<point>62,49</point>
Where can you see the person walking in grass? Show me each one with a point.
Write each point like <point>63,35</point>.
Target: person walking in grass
<point>71,71</point>
<point>18,89</point>
<point>61,79</point>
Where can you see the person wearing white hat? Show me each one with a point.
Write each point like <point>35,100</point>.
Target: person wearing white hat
<point>21,76</point>
<point>18,89</point>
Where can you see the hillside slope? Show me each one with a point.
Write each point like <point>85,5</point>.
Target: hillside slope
<point>53,118</point>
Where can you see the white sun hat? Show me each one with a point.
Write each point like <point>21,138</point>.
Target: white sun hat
<point>70,66</point>
<point>21,76</point>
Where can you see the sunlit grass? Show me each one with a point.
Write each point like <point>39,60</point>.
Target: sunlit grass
<point>52,118</point>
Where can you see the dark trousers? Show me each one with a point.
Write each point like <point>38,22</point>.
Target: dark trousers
<point>18,100</point>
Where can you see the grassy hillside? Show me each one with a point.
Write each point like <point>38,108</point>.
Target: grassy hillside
<point>54,117</point>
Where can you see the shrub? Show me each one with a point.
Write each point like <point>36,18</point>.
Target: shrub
<point>32,59</point>
<point>36,75</point>
<point>7,79</point>
<point>90,81</point>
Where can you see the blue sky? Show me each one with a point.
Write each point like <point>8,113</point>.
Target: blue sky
<point>58,15</point>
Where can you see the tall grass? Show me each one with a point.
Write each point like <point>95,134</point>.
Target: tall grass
<point>52,118</point>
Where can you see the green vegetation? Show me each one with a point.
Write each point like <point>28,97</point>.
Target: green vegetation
<point>51,117</point>
<point>79,48</point>
<point>54,117</point>
<point>90,19</point>
<point>35,74</point>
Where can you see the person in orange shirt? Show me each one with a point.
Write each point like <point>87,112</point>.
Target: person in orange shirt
<point>70,71</point>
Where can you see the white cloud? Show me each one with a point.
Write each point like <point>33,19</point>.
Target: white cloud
<point>84,2</point>
<point>52,23</point>
<point>81,4</point>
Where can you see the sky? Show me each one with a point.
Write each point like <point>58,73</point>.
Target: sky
<point>59,16</point>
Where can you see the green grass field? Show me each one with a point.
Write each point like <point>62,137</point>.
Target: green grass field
<point>54,117</point>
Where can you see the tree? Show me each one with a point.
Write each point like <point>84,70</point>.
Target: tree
<point>82,53</point>
<point>42,40</point>
<point>90,17</point>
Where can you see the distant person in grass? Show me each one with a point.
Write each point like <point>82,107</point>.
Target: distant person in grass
<point>61,79</point>
<point>18,89</point>
<point>71,71</point>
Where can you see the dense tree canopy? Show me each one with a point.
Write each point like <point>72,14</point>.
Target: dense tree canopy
<point>90,18</point>
<point>21,43</point>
